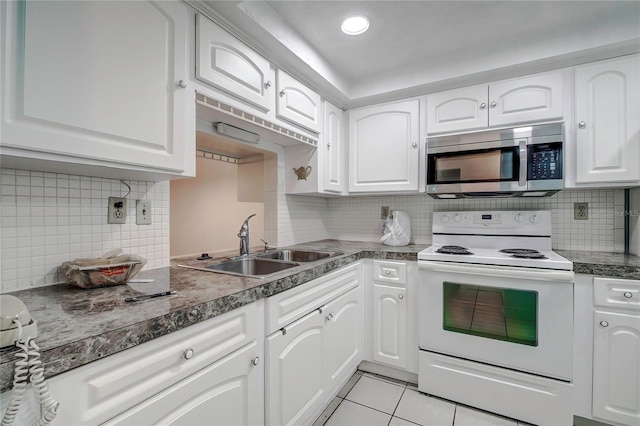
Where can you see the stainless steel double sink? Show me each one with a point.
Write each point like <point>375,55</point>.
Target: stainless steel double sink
<point>261,265</point>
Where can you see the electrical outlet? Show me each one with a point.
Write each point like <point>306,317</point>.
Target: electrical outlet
<point>384,212</point>
<point>581,211</point>
<point>143,212</point>
<point>117,210</point>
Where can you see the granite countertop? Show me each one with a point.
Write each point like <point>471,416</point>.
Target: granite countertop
<point>78,326</point>
<point>603,263</point>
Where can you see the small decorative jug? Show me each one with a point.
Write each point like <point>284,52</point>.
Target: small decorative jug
<point>302,172</point>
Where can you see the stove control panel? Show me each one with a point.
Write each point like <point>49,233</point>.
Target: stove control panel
<point>500,222</point>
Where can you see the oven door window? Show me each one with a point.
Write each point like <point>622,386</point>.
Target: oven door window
<point>489,165</point>
<point>494,313</point>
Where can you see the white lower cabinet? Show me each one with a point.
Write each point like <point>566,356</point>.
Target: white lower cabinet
<point>311,357</point>
<point>209,373</point>
<point>393,324</point>
<point>227,392</point>
<point>616,351</point>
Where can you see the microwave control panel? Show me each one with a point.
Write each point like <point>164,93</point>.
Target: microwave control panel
<point>544,161</point>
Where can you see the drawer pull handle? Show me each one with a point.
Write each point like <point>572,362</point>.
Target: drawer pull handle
<point>255,361</point>
<point>400,296</point>
<point>189,353</point>
<point>604,323</point>
<point>628,294</point>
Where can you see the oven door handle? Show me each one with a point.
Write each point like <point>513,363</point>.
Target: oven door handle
<point>553,275</point>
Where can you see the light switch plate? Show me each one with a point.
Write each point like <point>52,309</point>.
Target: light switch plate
<point>143,212</point>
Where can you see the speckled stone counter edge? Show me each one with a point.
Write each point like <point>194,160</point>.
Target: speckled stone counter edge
<point>64,358</point>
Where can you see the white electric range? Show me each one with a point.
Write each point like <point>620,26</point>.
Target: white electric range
<point>496,315</point>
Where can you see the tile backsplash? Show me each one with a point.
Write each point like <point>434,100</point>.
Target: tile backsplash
<point>50,218</point>
<point>358,218</point>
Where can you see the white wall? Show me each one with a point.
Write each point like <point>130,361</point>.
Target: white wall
<point>207,212</point>
<point>50,218</point>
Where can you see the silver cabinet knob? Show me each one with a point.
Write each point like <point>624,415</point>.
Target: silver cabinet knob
<point>604,323</point>
<point>401,296</point>
<point>493,104</point>
<point>388,272</point>
<point>255,361</point>
<point>582,124</point>
<point>189,353</point>
<point>282,93</point>
<point>182,84</point>
<point>414,144</point>
<point>483,105</point>
<point>329,317</point>
<point>267,85</point>
<point>328,146</point>
<point>628,294</point>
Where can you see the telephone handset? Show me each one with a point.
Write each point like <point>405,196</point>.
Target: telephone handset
<point>12,309</point>
<point>19,329</point>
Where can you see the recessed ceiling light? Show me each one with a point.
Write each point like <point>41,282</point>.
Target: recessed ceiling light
<point>355,25</point>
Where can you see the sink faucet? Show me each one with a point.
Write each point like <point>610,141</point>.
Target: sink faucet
<point>244,236</point>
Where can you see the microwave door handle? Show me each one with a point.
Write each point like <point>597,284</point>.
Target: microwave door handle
<point>522,179</point>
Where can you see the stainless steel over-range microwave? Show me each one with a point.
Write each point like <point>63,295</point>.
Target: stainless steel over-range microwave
<point>522,161</point>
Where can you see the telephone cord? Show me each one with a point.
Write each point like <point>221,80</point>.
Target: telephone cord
<point>29,367</point>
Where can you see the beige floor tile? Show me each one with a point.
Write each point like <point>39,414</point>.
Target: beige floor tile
<point>322,418</point>
<point>397,421</point>
<point>425,410</point>
<point>352,414</point>
<point>376,394</point>
<point>349,385</point>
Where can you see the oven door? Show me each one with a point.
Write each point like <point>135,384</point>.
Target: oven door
<point>516,318</point>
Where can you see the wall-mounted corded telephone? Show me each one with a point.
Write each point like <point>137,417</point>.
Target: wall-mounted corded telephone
<point>19,329</point>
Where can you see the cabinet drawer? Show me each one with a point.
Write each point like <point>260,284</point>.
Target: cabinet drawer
<point>94,393</point>
<point>616,293</point>
<point>390,272</point>
<point>284,308</point>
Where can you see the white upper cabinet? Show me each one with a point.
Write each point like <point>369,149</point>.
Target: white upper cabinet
<point>228,64</point>
<point>384,147</point>
<point>333,155</point>
<point>607,142</point>
<point>297,103</point>
<point>505,103</point>
<point>96,84</point>
<point>453,110</point>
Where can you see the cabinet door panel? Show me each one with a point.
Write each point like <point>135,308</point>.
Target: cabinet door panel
<point>383,147</point>
<point>343,351</point>
<point>526,99</point>
<point>97,80</point>
<point>455,110</point>
<point>390,325</point>
<point>224,393</point>
<point>294,371</point>
<point>333,153</point>
<point>228,64</point>
<point>616,371</point>
<point>297,103</point>
<point>607,102</point>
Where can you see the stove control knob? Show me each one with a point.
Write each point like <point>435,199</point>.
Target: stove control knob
<point>444,218</point>
<point>534,218</point>
<point>519,218</point>
<point>457,217</point>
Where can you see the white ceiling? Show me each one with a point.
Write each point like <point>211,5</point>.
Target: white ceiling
<point>420,46</point>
